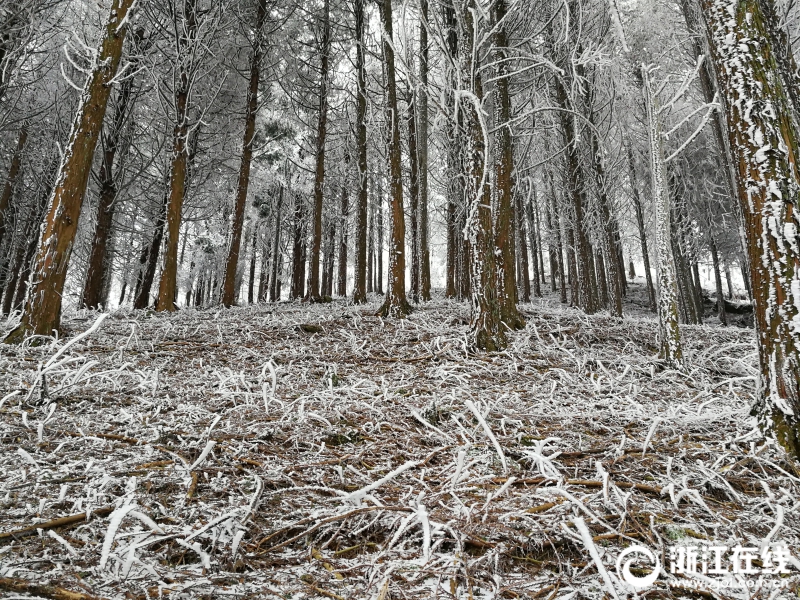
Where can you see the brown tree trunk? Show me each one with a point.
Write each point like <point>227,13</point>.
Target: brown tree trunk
<point>413,193</point>
<point>232,262</point>
<point>319,176</point>
<point>11,179</point>
<point>168,284</point>
<point>454,181</point>
<point>422,145</point>
<point>523,267</point>
<point>98,273</point>
<point>149,259</point>
<point>378,288</point>
<point>360,284</point>
<point>253,256</point>
<point>752,72</point>
<point>42,314</point>
<point>371,246</point>
<point>395,304</point>
<point>299,249</point>
<point>486,325</point>
<point>341,279</point>
<point>504,241</point>
<point>277,261</point>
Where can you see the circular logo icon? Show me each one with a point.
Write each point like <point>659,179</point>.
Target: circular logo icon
<point>624,570</point>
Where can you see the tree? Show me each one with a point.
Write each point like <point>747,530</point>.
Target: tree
<point>42,313</point>
<point>504,238</point>
<point>422,149</point>
<point>360,280</point>
<point>11,179</point>
<point>757,80</point>
<point>395,304</point>
<point>229,280</point>
<point>670,335</point>
<point>319,174</point>
<point>486,325</point>
<point>185,22</point>
<point>98,272</point>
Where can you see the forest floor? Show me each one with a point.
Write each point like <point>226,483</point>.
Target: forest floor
<point>296,451</point>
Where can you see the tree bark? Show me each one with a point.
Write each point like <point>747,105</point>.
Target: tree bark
<point>360,280</point>
<point>98,273</point>
<point>582,282</point>
<point>319,176</point>
<point>504,241</point>
<point>168,284</point>
<point>228,285</point>
<point>523,267</point>
<point>395,304</point>
<point>670,335</point>
<point>341,278</point>
<point>528,214</point>
<point>637,205</point>
<point>616,276</point>
<point>756,81</point>
<point>42,314</point>
<point>275,287</point>
<point>413,193</point>
<point>253,256</point>
<point>422,145</point>
<point>11,179</point>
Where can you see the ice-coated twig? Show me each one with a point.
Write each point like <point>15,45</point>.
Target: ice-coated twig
<point>202,458</point>
<point>358,495</point>
<point>114,521</point>
<point>586,536</point>
<point>489,433</point>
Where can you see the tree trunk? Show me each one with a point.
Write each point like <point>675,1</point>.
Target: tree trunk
<point>379,240</point>
<point>523,267</point>
<point>637,205</point>
<point>149,259</point>
<point>42,314</point>
<point>371,246</point>
<point>670,335</point>
<point>422,147</point>
<point>528,214</point>
<point>228,285</point>
<point>756,82</point>
<point>503,237</point>
<point>395,304</point>
<point>360,281</point>
<point>607,227</point>
<point>729,281</point>
<point>298,249</point>
<point>319,176</point>
<point>275,287</point>
<point>454,186</point>
<point>11,179</point>
<point>252,275</point>
<point>413,193</point>
<point>341,279</point>
<point>98,274</point>
<point>168,284</point>
<point>582,282</point>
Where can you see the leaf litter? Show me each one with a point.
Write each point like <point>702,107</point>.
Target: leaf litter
<point>308,451</point>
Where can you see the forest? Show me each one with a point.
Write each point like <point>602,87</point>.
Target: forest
<point>383,299</point>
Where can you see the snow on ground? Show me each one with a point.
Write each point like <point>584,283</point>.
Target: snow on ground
<point>296,451</point>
